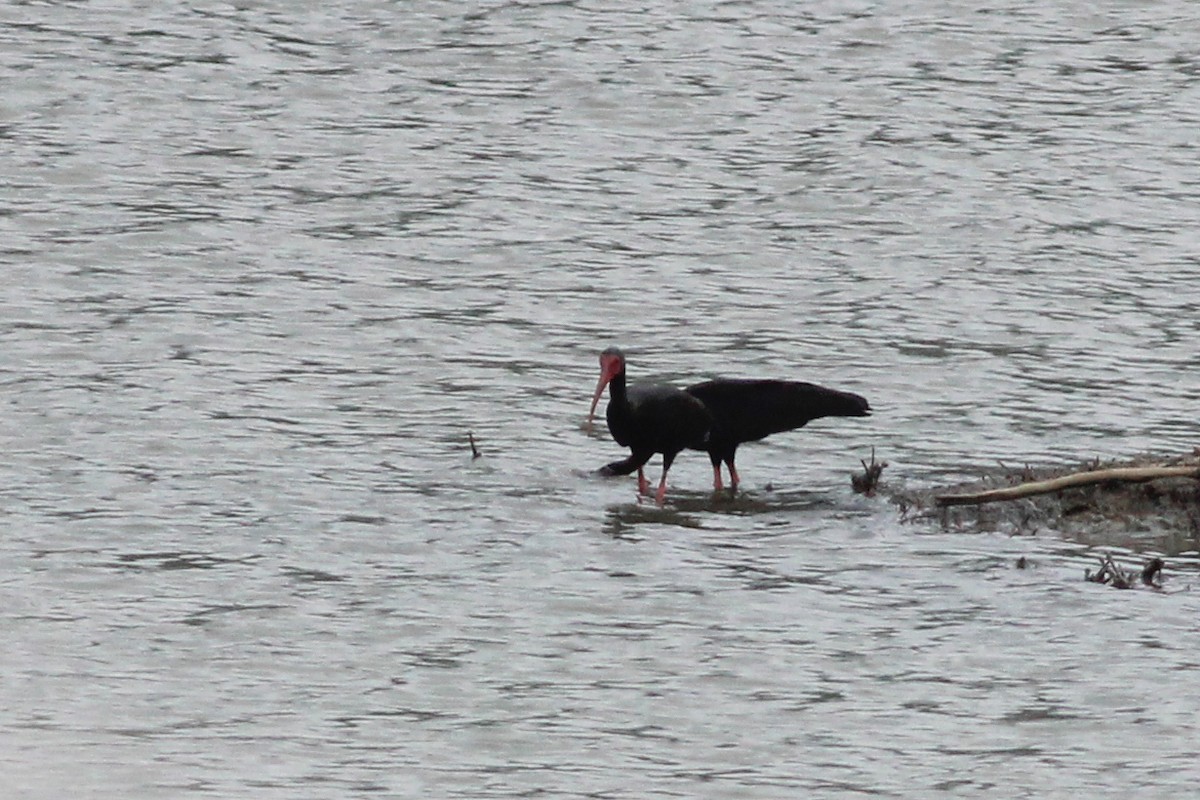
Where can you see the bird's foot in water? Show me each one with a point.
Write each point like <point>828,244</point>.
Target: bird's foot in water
<point>734,479</point>
<point>659,495</point>
<point>719,485</point>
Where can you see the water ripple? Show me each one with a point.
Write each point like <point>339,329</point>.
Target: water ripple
<point>269,267</point>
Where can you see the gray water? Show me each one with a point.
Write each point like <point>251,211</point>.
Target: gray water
<point>268,264</point>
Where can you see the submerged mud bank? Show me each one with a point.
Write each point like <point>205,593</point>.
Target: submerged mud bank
<point>1160,515</point>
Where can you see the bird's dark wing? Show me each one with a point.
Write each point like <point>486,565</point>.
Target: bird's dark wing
<point>748,410</point>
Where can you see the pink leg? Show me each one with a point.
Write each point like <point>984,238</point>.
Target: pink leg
<point>643,484</point>
<point>717,485</point>
<point>662,490</point>
<point>733,476</point>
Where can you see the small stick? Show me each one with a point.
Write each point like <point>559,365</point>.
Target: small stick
<point>474,450</point>
<point>1120,578</point>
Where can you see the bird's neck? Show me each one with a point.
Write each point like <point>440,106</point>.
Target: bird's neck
<point>616,388</point>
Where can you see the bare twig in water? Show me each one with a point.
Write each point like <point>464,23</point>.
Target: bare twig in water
<point>866,483</point>
<point>474,450</point>
<point>1121,474</point>
<point>1112,575</point>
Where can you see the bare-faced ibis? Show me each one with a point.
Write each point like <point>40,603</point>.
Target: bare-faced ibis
<point>715,416</point>
<point>648,419</point>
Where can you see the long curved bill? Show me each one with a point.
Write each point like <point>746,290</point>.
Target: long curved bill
<point>605,377</point>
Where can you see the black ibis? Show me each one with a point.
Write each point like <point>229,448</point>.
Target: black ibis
<point>749,410</point>
<point>648,419</point>
<point>715,416</point>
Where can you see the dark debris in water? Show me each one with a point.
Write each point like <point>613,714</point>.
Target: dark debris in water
<point>868,481</point>
<point>1113,575</point>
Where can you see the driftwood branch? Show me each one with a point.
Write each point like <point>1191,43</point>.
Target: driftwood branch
<point>1121,474</point>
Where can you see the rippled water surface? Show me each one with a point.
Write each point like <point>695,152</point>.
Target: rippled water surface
<point>268,264</point>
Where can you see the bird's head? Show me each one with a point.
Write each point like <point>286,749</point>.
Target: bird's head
<point>612,364</point>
